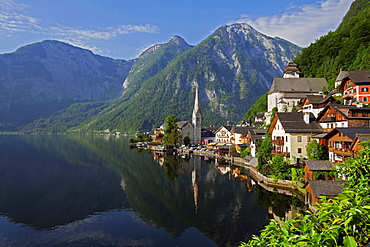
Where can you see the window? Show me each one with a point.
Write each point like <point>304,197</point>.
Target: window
<point>286,139</point>
<point>299,150</point>
<point>299,138</point>
<point>364,89</point>
<point>364,99</point>
<point>308,138</point>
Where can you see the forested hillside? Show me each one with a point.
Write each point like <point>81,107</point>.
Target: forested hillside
<point>347,48</point>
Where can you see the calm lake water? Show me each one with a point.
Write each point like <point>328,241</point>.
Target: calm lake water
<point>96,191</point>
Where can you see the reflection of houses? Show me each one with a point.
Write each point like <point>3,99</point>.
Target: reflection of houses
<point>316,169</point>
<point>291,132</point>
<point>355,86</point>
<point>316,188</point>
<point>291,89</point>
<point>340,140</point>
<point>334,116</point>
<point>223,134</point>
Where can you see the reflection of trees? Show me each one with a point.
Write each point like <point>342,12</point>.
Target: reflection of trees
<point>171,166</point>
<point>279,203</point>
<point>226,211</point>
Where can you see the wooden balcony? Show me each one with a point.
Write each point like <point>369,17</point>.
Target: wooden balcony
<point>286,154</point>
<point>278,142</point>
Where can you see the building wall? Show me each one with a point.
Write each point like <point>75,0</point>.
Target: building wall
<point>298,142</point>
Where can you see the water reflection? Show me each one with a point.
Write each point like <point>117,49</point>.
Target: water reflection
<point>103,190</point>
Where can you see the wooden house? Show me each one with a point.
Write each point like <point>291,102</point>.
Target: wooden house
<point>317,188</point>
<point>320,167</point>
<point>343,116</point>
<point>355,146</point>
<point>340,142</point>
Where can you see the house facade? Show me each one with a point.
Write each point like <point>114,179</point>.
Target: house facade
<point>343,116</point>
<point>340,142</point>
<point>291,132</point>
<point>355,86</point>
<point>223,134</point>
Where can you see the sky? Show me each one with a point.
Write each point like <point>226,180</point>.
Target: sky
<point>123,29</point>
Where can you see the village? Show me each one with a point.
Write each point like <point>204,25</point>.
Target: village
<point>300,111</point>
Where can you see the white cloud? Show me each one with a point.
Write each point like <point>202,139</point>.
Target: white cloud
<point>303,25</point>
<point>13,19</point>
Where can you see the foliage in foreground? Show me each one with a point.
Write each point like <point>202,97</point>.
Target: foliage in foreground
<point>342,221</point>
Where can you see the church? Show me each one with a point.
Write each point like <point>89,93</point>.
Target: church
<point>192,130</point>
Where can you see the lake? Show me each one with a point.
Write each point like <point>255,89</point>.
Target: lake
<point>71,190</point>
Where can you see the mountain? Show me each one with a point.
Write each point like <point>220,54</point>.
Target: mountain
<point>151,61</point>
<point>39,79</point>
<point>232,68</point>
<point>347,48</point>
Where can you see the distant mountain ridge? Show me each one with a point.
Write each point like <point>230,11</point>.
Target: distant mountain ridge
<point>232,68</point>
<point>39,79</point>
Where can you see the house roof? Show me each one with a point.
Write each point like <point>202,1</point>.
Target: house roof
<point>349,132</point>
<point>358,77</point>
<point>320,99</point>
<point>293,122</point>
<point>243,130</point>
<point>344,110</point>
<point>298,85</point>
<point>182,124</point>
<point>319,165</point>
<point>325,188</point>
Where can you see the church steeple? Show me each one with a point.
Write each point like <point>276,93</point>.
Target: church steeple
<point>197,119</point>
<point>291,71</point>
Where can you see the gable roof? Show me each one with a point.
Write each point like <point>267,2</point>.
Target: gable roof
<point>349,132</point>
<point>344,111</point>
<point>319,165</point>
<point>298,85</point>
<point>325,188</point>
<point>320,99</point>
<point>293,122</point>
<point>182,124</point>
<point>358,77</point>
<point>243,130</point>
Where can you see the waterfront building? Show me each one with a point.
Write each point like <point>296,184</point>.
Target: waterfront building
<point>291,132</point>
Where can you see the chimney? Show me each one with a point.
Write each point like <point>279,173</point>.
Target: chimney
<point>306,117</point>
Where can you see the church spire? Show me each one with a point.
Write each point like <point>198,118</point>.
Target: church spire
<point>197,119</point>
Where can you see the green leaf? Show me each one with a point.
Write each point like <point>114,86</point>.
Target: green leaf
<point>349,241</point>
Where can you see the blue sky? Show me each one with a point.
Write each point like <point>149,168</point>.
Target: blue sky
<point>123,29</point>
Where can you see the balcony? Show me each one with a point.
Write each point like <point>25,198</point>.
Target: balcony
<point>286,154</point>
<point>278,142</point>
<point>348,96</point>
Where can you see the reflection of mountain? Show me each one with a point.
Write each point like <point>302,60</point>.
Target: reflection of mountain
<point>38,189</point>
<point>199,196</point>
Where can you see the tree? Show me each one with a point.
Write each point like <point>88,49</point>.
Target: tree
<point>341,221</point>
<point>316,152</point>
<point>172,134</point>
<point>186,140</point>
